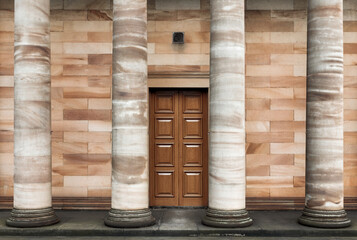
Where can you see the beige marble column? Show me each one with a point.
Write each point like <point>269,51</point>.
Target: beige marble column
<point>32,135</point>
<point>130,163</point>
<point>227,117</point>
<point>324,118</point>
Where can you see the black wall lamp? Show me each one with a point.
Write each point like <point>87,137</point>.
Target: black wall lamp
<point>178,37</point>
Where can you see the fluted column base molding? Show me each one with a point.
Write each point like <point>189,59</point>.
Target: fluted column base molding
<point>324,218</point>
<point>28,218</point>
<point>129,218</point>
<point>227,219</point>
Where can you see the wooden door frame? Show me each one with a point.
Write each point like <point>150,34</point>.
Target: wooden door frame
<point>164,87</point>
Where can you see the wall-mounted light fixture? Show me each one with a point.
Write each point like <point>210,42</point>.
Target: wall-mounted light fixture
<point>178,37</point>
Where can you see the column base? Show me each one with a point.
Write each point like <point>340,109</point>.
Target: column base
<point>27,218</point>
<point>227,218</point>
<point>129,218</point>
<point>324,218</point>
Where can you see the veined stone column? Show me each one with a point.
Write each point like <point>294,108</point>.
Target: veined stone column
<point>324,117</point>
<point>32,136</point>
<point>227,117</point>
<point>130,164</point>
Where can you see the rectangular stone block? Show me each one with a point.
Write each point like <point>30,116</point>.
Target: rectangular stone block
<point>286,170</point>
<point>99,191</point>
<point>287,104</point>
<point>273,93</point>
<point>87,137</point>
<point>257,81</point>
<point>100,170</point>
<point>97,103</point>
<point>68,37</point>
<point>257,126</point>
<point>62,126</point>
<point>62,59</point>
<point>270,4</point>
<point>99,148</point>
<point>99,126</point>
<point>283,137</point>
<point>257,148</point>
<point>56,4</point>
<point>87,48</point>
<point>99,81</point>
<point>257,104</point>
<point>270,181</point>
<point>90,92</point>
<point>86,4</point>
<point>100,59</point>
<point>69,148</point>
<point>177,5</point>
<point>88,26</point>
<point>287,148</point>
<point>69,192</point>
<point>260,170</point>
<point>258,192</point>
<point>68,15</point>
<point>288,126</point>
<point>100,15</point>
<point>86,159</point>
<point>105,37</point>
<point>270,159</point>
<point>257,59</point>
<point>83,114</point>
<point>288,192</point>
<point>69,103</point>
<point>269,115</point>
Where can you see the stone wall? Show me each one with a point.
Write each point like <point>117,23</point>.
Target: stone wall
<point>81,47</point>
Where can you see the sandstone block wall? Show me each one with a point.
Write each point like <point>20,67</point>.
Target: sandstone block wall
<point>81,48</point>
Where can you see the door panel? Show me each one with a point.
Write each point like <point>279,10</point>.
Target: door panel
<point>178,147</point>
<point>164,155</point>
<point>192,184</point>
<point>165,184</point>
<point>192,127</point>
<point>192,154</point>
<point>192,102</point>
<point>165,102</point>
<point>164,127</point>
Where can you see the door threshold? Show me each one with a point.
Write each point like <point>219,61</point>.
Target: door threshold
<point>178,207</point>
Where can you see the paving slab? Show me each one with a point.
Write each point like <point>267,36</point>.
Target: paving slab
<point>176,238</point>
<point>181,222</point>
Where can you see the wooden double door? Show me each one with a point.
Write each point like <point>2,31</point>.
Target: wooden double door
<point>178,147</point>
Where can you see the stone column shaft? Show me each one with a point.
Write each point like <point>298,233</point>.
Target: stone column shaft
<point>227,116</point>
<point>324,116</point>
<point>32,129</point>
<point>130,152</point>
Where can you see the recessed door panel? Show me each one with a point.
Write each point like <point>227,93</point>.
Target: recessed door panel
<point>192,102</point>
<point>192,154</point>
<point>165,102</point>
<point>192,127</point>
<point>178,147</point>
<point>165,184</point>
<point>192,184</point>
<point>164,154</point>
<point>164,127</point>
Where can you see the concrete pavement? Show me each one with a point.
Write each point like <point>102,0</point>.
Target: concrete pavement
<point>184,222</point>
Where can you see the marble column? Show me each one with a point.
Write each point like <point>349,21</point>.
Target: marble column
<point>32,134</point>
<point>130,156</point>
<point>324,116</point>
<point>227,117</point>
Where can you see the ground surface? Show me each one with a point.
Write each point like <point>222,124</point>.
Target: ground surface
<point>179,223</point>
<point>179,238</point>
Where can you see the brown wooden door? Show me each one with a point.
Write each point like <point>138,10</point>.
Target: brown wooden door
<point>178,147</point>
